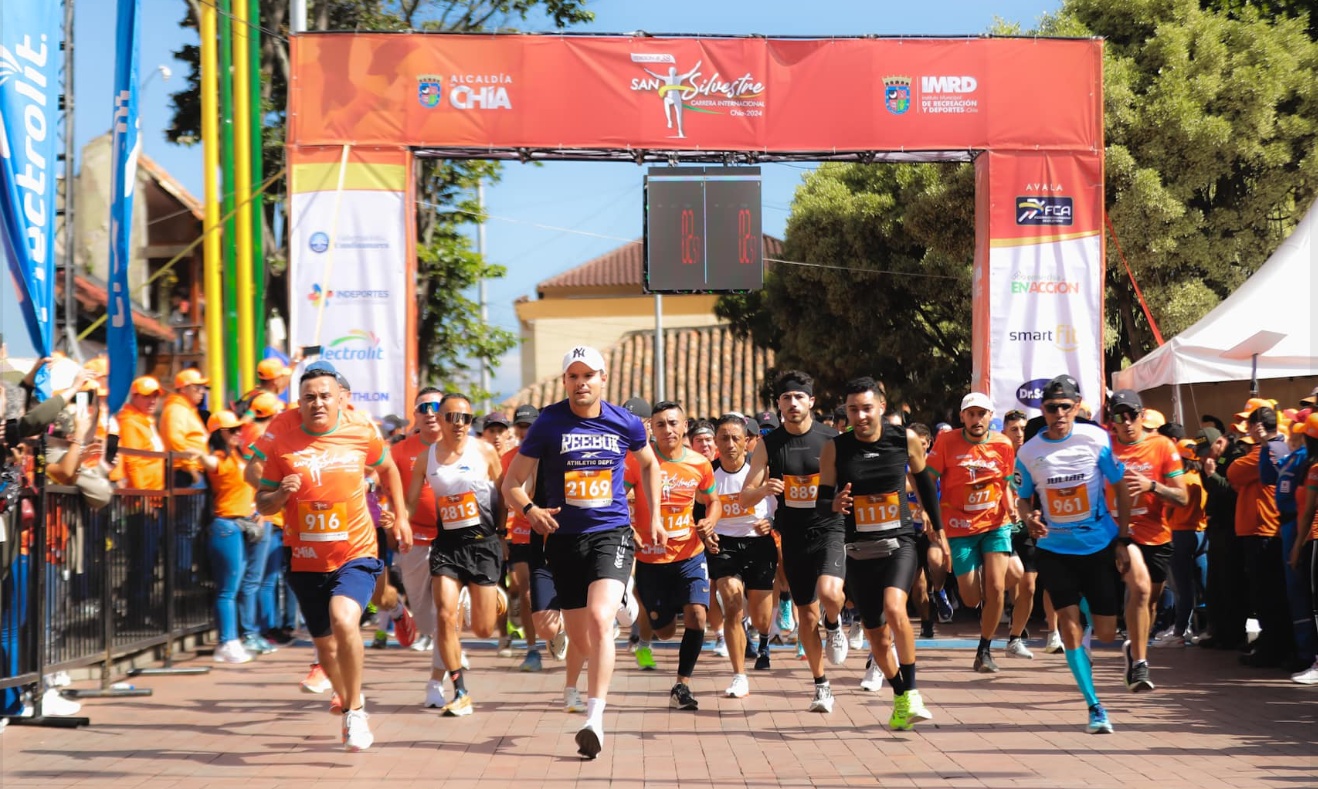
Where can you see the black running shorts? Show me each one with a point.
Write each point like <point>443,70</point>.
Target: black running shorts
<point>752,559</point>
<point>579,560</point>
<point>808,556</point>
<point>868,579</point>
<point>1158,558</point>
<point>479,562</point>
<point>1067,577</point>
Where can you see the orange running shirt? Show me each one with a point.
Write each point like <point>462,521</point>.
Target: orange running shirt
<point>234,498</point>
<point>326,522</point>
<point>292,420</point>
<point>1157,458</point>
<point>519,528</point>
<point>1191,517</point>
<point>972,480</point>
<point>680,480</point>
<point>426,523</point>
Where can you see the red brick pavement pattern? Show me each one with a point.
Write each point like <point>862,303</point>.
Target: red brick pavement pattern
<point>1209,724</point>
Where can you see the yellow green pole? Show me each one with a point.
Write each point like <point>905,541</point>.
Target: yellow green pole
<point>242,166</point>
<point>211,163</point>
<point>258,175</point>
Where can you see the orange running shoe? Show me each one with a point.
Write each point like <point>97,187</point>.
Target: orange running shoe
<point>405,629</point>
<point>316,681</point>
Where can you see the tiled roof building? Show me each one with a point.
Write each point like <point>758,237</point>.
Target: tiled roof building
<point>709,371</point>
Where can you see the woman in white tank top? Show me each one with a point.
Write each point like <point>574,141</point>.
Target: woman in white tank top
<point>464,473</point>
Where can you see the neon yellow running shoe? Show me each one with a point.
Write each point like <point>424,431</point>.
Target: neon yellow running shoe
<point>645,659</point>
<point>901,714</point>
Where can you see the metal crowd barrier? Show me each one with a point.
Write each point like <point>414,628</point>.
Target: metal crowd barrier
<point>131,577</point>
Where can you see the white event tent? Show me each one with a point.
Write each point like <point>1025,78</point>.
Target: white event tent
<point>1270,315</point>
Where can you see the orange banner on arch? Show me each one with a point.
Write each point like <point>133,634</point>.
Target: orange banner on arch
<point>624,94</point>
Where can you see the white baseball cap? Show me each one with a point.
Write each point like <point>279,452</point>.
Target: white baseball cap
<point>977,400</point>
<point>586,355</point>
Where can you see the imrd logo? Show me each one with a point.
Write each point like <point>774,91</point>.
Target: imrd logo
<point>948,84</point>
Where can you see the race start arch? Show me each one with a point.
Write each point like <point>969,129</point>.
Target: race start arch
<point>1027,111</point>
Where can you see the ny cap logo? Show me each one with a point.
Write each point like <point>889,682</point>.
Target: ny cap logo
<point>579,352</point>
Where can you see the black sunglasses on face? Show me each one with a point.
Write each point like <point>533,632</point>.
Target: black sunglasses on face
<point>1122,417</point>
<point>458,418</point>
<point>1058,408</point>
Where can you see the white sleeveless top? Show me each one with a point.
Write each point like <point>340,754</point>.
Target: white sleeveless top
<point>737,521</point>
<point>464,492</point>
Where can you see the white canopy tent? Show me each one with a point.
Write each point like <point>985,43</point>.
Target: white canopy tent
<point>1270,315</point>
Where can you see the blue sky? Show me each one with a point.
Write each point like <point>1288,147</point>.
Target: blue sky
<point>604,199</point>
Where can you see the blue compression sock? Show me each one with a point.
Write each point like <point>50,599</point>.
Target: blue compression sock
<point>1083,671</point>
<point>1084,609</point>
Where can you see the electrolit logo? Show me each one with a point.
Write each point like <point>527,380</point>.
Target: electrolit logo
<point>356,346</point>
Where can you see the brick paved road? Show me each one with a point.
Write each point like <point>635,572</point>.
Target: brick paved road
<point>1210,724</point>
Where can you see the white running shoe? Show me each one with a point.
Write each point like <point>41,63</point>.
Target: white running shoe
<point>232,652</point>
<point>1169,640</point>
<point>590,739</point>
<point>572,701</point>
<point>823,700</point>
<point>918,711</point>
<point>837,646</point>
<point>422,644</point>
<point>1307,677</point>
<point>464,602</point>
<point>60,679</point>
<point>857,636</point>
<point>628,610</point>
<point>1017,648</point>
<point>52,703</point>
<point>720,646</point>
<point>1252,629</point>
<point>1054,643</point>
<point>357,735</point>
<point>873,681</point>
<point>739,688</point>
<point>435,694</point>
<point>466,664</point>
<point>558,645</point>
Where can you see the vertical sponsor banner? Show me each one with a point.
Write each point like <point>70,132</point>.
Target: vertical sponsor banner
<point>30,39</point>
<point>367,331</point>
<point>121,339</point>
<point>1041,268</point>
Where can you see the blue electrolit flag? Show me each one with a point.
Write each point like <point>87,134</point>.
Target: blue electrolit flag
<point>121,339</point>
<point>30,36</point>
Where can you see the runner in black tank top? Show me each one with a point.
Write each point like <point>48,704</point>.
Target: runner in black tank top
<point>786,464</point>
<point>862,475</point>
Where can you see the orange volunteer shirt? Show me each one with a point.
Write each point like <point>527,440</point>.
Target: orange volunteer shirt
<point>972,480</point>
<point>426,524</point>
<point>679,480</point>
<point>233,497</point>
<point>1191,517</point>
<point>519,528</point>
<point>327,523</point>
<point>137,430</point>
<point>1256,503</point>
<point>1156,457</point>
<point>182,430</point>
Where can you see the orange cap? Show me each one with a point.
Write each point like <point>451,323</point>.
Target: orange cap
<point>189,377</point>
<point>270,369</point>
<point>1153,419</point>
<point>265,405</point>
<point>1252,404</point>
<point>146,386</point>
<point>1188,449</point>
<point>1311,425</point>
<point>223,420</point>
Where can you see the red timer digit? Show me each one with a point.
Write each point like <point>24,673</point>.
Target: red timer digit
<point>690,241</point>
<point>746,241</point>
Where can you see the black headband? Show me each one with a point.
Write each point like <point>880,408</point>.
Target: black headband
<point>792,384</point>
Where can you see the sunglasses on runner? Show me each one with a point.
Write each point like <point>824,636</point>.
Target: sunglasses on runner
<point>427,408</point>
<point>1124,416</point>
<point>458,418</point>
<point>1058,408</point>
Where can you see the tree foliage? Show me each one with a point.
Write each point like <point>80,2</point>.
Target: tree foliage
<point>452,338</point>
<point>1211,119</point>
